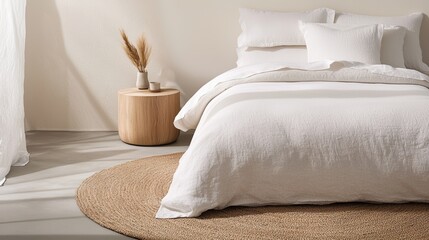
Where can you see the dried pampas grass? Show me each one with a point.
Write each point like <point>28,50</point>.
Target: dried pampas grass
<point>139,55</point>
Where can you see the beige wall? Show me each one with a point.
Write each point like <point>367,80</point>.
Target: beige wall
<point>75,65</point>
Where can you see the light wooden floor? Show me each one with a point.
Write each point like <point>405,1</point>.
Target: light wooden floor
<point>37,201</point>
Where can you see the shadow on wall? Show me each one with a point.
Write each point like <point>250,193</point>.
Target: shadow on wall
<point>424,38</point>
<point>188,49</point>
<point>75,64</point>
<point>160,64</point>
<point>53,73</point>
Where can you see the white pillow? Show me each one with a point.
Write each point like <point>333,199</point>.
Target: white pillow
<point>392,46</point>
<point>412,50</point>
<point>355,43</point>
<point>269,29</point>
<point>391,51</point>
<point>288,54</point>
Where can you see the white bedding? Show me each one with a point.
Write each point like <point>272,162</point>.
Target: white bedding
<point>270,135</point>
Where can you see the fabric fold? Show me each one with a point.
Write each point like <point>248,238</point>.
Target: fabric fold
<point>343,71</point>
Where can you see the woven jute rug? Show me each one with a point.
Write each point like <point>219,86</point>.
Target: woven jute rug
<point>125,199</point>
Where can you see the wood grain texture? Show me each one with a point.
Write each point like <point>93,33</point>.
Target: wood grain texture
<point>146,118</point>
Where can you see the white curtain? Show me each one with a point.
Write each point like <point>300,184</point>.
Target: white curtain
<point>13,150</point>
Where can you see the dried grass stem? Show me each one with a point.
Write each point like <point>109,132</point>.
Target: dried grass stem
<point>139,55</point>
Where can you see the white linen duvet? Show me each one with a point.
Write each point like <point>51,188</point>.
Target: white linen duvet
<point>329,132</point>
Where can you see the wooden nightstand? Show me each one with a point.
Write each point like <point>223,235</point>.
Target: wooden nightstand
<point>146,118</point>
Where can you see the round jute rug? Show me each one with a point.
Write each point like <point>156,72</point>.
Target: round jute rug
<point>125,199</point>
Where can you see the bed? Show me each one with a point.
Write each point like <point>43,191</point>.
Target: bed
<point>317,124</point>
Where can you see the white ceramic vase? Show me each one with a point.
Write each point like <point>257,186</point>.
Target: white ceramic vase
<point>142,82</point>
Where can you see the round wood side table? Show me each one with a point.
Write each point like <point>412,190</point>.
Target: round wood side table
<point>146,118</point>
